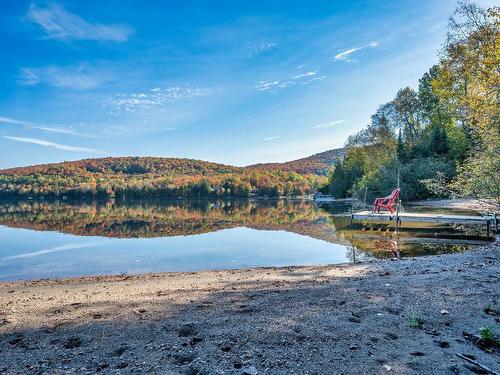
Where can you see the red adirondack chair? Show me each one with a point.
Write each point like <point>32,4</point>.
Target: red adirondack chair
<point>387,202</point>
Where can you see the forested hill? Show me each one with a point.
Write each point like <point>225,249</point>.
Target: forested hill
<point>142,177</point>
<point>319,164</point>
<point>127,166</point>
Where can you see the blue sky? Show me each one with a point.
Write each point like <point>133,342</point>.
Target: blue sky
<point>236,82</point>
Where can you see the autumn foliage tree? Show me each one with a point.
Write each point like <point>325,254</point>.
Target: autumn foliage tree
<point>444,138</point>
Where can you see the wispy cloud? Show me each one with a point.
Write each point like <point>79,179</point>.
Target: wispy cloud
<point>258,48</point>
<point>267,85</point>
<point>142,101</point>
<point>61,130</point>
<point>56,146</point>
<point>299,79</point>
<point>269,139</point>
<point>346,55</point>
<point>79,77</point>
<point>328,124</point>
<point>58,23</point>
<point>7,120</point>
<point>70,246</point>
<point>304,75</point>
<point>43,127</point>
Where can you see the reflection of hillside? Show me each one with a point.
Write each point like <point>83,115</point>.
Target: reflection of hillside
<point>189,217</point>
<point>175,218</point>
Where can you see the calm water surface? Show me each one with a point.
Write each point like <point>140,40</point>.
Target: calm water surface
<point>62,239</point>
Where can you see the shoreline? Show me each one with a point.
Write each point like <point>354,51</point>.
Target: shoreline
<point>83,279</point>
<point>407,315</point>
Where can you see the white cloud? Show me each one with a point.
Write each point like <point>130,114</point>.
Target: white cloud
<point>79,77</point>
<point>346,55</point>
<point>266,85</point>
<point>142,101</point>
<point>29,77</point>
<point>58,23</point>
<point>299,79</point>
<point>259,48</point>
<point>8,120</point>
<point>56,146</point>
<point>60,130</point>
<point>269,139</point>
<point>43,127</point>
<point>307,74</point>
<point>328,124</point>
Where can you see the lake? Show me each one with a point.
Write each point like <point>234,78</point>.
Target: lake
<point>45,239</point>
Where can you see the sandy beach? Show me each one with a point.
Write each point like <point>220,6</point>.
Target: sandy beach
<point>390,317</point>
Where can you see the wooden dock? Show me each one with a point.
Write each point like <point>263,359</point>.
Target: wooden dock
<point>422,240</point>
<point>327,198</point>
<point>408,217</point>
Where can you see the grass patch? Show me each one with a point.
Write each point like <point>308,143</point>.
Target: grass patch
<point>488,336</point>
<point>416,322</point>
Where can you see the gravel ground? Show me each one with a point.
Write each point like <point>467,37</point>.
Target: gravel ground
<point>391,317</point>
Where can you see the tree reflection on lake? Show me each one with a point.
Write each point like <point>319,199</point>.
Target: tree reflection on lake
<point>63,238</point>
<point>150,219</point>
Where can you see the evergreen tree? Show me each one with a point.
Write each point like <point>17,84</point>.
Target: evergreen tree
<point>438,144</point>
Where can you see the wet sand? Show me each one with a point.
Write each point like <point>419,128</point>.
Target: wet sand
<point>391,317</point>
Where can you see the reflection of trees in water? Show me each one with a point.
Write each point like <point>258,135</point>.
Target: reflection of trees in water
<point>167,218</point>
<point>147,219</point>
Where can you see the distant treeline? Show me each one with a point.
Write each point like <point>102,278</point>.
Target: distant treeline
<point>139,178</point>
<point>443,137</point>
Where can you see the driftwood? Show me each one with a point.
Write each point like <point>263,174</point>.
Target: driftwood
<point>487,369</point>
<point>487,346</point>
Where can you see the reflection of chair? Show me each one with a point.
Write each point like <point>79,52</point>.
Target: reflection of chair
<point>387,202</point>
<point>390,245</point>
<point>394,247</point>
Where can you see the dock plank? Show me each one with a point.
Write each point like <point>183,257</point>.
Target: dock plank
<point>422,218</point>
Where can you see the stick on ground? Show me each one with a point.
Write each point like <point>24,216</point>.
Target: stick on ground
<point>477,364</point>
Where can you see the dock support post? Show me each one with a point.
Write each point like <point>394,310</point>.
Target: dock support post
<point>398,203</point>
<point>488,228</point>
<point>397,215</point>
<point>495,222</point>
<point>352,210</point>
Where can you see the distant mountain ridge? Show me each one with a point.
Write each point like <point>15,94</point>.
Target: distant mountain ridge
<point>155,177</point>
<point>319,163</point>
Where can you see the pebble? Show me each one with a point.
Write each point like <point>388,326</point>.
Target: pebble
<point>250,370</point>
